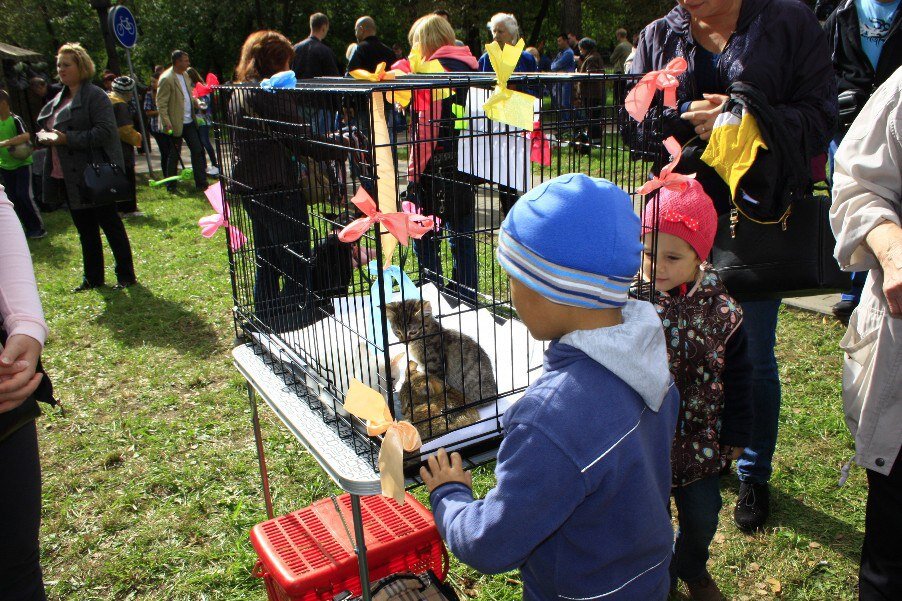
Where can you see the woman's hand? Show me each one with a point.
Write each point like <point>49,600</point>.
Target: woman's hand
<point>18,379</point>
<point>885,241</point>
<point>52,138</point>
<point>702,113</point>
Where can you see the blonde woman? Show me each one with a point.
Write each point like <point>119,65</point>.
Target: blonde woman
<point>79,126</point>
<point>433,167</point>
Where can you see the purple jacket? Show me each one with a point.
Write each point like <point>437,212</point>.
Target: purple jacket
<point>778,46</point>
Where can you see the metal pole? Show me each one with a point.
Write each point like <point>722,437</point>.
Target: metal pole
<point>131,71</point>
<point>261,458</point>
<point>360,548</point>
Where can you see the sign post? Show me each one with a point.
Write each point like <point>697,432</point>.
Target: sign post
<point>124,28</point>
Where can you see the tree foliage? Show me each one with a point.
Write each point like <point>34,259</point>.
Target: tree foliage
<point>212,31</point>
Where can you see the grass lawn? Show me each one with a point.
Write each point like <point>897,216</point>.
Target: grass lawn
<point>150,476</point>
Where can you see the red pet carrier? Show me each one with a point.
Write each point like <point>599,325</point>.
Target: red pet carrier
<point>308,555</point>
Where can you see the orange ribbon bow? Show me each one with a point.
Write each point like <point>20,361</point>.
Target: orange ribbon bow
<point>640,97</point>
<point>370,406</point>
<point>402,226</point>
<point>668,179</point>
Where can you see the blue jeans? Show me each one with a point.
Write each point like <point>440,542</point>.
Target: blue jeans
<point>698,504</point>
<point>859,277</point>
<point>203,131</point>
<point>760,323</point>
<point>461,239</point>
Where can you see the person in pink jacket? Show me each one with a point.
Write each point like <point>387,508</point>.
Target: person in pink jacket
<point>22,334</point>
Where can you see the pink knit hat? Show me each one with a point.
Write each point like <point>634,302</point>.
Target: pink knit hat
<point>688,215</point>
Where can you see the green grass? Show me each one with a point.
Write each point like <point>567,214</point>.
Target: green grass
<point>150,476</point>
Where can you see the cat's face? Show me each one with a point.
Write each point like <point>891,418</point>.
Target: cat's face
<point>408,318</point>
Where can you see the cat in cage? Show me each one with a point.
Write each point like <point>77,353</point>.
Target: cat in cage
<point>447,354</point>
<point>426,401</point>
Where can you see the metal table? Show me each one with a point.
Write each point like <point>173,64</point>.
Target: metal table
<point>350,472</point>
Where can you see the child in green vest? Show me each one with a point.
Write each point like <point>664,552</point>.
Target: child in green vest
<point>15,167</point>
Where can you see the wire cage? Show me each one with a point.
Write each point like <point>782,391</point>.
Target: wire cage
<point>431,326</point>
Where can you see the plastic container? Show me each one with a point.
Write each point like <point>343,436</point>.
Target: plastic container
<point>307,555</point>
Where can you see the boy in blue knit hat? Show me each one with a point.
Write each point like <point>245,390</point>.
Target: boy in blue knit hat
<point>583,473</point>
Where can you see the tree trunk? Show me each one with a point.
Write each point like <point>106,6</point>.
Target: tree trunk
<point>112,57</point>
<point>45,14</point>
<point>537,26</point>
<point>572,17</point>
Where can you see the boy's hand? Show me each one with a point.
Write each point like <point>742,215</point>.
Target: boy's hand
<point>442,470</point>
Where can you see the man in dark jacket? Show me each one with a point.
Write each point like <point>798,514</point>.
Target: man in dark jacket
<point>370,51</point>
<point>312,58</point>
<point>866,48</point>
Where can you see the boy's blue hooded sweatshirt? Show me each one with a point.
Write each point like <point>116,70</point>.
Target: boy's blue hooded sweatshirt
<point>583,475</point>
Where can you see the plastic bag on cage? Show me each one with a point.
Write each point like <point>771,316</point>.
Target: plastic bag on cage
<point>494,151</point>
<point>380,297</point>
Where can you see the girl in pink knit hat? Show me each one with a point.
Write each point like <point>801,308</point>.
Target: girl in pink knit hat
<point>707,352</point>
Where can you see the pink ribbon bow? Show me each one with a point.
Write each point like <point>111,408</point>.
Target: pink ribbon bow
<point>201,90</point>
<point>640,97</point>
<point>668,179</point>
<point>409,207</point>
<point>211,223</point>
<point>402,226</point>
<point>540,148</point>
<point>691,223</point>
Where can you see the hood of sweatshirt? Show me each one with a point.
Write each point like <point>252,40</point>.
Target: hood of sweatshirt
<point>458,53</point>
<point>634,351</point>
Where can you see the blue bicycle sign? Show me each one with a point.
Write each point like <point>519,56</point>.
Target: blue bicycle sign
<point>123,26</point>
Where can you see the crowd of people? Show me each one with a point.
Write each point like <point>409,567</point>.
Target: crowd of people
<point>835,88</point>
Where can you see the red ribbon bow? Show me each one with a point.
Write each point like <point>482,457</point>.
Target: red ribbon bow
<point>691,223</point>
<point>640,97</point>
<point>201,90</point>
<point>668,179</point>
<point>402,226</point>
<point>540,148</point>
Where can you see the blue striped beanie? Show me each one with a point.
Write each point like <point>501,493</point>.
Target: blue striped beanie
<point>575,240</point>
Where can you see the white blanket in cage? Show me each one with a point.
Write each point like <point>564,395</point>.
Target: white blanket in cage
<point>337,347</point>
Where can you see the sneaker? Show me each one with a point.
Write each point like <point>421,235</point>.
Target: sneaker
<point>705,589</point>
<point>212,171</point>
<point>36,235</point>
<point>843,310</point>
<point>752,506</point>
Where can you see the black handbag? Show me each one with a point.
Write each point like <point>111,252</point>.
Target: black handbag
<point>103,182</point>
<point>793,257</point>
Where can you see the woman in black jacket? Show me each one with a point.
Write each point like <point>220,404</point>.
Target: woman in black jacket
<point>79,127</point>
<point>778,47</point>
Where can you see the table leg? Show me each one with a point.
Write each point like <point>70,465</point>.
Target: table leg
<point>360,547</point>
<point>261,458</point>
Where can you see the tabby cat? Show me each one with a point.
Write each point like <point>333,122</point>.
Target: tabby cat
<point>429,404</point>
<point>453,357</point>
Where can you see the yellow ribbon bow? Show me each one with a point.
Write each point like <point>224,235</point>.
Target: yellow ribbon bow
<point>400,97</point>
<point>370,406</point>
<point>506,105</point>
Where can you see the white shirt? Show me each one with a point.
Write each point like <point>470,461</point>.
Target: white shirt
<point>189,111</point>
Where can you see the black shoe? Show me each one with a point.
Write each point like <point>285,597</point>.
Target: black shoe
<point>86,286</point>
<point>843,310</point>
<point>123,285</point>
<point>36,235</point>
<point>752,506</point>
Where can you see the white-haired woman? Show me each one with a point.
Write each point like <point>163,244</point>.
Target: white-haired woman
<point>505,30</point>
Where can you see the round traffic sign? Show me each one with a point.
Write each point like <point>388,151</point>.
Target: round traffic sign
<point>123,26</point>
